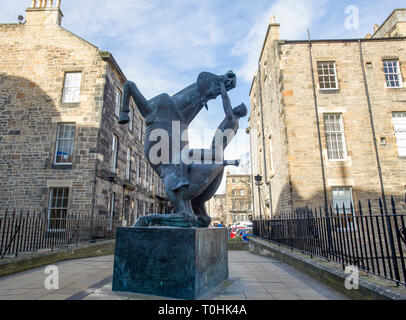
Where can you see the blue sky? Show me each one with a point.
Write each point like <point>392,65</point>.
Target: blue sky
<point>162,45</point>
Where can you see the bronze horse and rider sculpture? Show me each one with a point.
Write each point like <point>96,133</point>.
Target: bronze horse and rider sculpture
<point>190,177</point>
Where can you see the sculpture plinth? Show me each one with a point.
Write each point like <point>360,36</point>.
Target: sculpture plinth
<point>183,263</point>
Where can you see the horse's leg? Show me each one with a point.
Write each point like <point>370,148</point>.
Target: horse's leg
<point>183,215</point>
<point>203,219</point>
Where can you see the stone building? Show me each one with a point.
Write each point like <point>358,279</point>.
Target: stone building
<point>61,148</point>
<point>238,198</point>
<point>328,119</point>
<point>216,209</point>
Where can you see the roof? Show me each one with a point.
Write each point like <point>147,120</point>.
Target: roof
<point>387,19</point>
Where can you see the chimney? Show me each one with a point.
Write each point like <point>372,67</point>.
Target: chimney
<point>274,29</point>
<point>376,27</point>
<point>44,12</point>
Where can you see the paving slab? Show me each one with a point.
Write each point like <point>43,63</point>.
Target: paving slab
<point>252,277</point>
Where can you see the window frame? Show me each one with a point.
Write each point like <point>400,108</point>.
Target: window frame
<point>328,75</point>
<point>350,226</point>
<point>131,122</point>
<point>399,74</point>
<point>114,153</point>
<point>50,208</point>
<point>396,128</point>
<point>128,164</point>
<point>117,104</point>
<point>64,87</point>
<point>112,203</point>
<point>57,142</point>
<point>342,132</point>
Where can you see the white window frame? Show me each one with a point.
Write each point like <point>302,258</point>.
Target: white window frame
<point>138,168</point>
<point>56,207</point>
<point>399,126</point>
<point>114,153</point>
<point>128,164</point>
<point>60,140</point>
<point>146,173</point>
<point>242,205</point>
<point>111,210</point>
<point>234,205</point>
<point>397,74</point>
<point>131,122</point>
<point>340,201</point>
<point>117,100</point>
<point>341,131</point>
<point>327,75</point>
<point>71,93</point>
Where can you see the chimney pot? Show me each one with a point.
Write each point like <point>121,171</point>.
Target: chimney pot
<point>44,12</point>
<point>274,28</point>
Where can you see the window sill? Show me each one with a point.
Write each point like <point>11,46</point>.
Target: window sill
<point>395,88</point>
<point>70,104</point>
<point>334,160</point>
<point>328,91</point>
<point>62,166</point>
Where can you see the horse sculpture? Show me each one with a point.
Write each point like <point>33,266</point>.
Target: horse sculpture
<point>188,182</point>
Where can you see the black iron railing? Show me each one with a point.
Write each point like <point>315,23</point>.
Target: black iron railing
<point>371,239</point>
<point>30,232</point>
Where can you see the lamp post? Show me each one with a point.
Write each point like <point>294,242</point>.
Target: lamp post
<point>258,182</point>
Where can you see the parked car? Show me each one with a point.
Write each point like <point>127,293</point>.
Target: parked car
<point>234,230</point>
<point>246,233</point>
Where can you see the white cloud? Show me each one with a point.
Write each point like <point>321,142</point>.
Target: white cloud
<point>294,16</point>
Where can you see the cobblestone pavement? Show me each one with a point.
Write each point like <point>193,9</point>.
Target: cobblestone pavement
<point>252,277</point>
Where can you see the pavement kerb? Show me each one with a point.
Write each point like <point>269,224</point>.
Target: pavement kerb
<point>34,260</point>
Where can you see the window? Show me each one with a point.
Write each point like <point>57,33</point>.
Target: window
<point>64,143</point>
<point>242,192</point>
<point>233,180</point>
<point>393,76</point>
<point>327,75</point>
<point>71,87</point>
<point>128,167</point>
<point>140,131</point>
<point>58,208</point>
<point>342,196</point>
<point>114,153</point>
<point>111,206</point>
<point>233,192</point>
<point>399,123</point>
<point>234,205</point>
<point>146,173</point>
<point>130,123</point>
<point>242,205</point>
<point>138,168</point>
<point>118,102</point>
<point>333,126</point>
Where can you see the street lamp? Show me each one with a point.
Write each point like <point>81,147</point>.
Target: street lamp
<point>258,182</point>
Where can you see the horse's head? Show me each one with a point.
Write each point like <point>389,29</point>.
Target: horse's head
<point>208,84</point>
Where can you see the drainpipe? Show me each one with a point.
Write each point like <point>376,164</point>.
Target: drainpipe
<point>378,162</point>
<point>263,140</point>
<point>371,119</point>
<point>316,108</point>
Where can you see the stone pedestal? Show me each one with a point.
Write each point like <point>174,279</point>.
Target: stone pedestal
<point>171,262</point>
